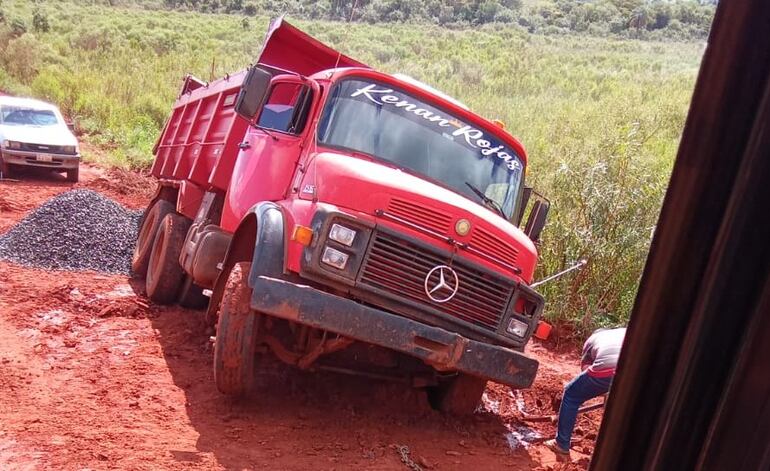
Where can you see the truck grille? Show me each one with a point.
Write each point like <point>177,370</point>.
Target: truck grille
<point>493,246</point>
<point>420,215</point>
<point>488,244</point>
<point>399,268</point>
<point>28,147</point>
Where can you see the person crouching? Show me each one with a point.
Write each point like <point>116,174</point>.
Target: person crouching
<point>598,362</point>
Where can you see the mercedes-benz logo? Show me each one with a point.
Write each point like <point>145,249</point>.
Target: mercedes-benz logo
<point>443,287</point>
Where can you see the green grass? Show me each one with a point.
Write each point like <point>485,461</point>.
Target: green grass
<point>600,118</point>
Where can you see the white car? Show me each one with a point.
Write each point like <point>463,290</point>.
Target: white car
<point>33,133</point>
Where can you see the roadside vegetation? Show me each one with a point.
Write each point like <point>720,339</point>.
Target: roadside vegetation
<point>600,113</point>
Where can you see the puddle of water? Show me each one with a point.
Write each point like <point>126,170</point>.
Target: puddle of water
<point>519,401</point>
<point>120,291</point>
<point>521,436</point>
<point>490,404</point>
<point>56,317</point>
<point>518,436</point>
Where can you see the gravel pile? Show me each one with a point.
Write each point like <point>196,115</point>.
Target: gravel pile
<point>76,230</point>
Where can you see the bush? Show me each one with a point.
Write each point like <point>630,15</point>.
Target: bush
<point>18,27</point>
<point>40,21</point>
<point>23,57</point>
<point>505,15</point>
<point>250,9</point>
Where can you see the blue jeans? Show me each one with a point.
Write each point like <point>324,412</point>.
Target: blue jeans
<point>577,392</point>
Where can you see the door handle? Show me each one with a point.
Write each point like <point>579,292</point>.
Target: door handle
<point>244,145</point>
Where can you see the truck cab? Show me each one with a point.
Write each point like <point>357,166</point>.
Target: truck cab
<point>345,219</point>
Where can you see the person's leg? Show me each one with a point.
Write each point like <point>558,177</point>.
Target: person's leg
<point>579,390</point>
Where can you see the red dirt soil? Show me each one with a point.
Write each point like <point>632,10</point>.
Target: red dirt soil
<point>94,376</point>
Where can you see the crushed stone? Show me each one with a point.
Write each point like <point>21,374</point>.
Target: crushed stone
<point>75,230</point>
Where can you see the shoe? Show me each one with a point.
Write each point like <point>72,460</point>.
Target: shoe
<point>555,447</point>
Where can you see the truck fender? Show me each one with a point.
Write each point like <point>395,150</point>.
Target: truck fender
<point>164,191</point>
<point>259,238</point>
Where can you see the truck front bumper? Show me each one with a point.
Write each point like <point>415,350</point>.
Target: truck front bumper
<point>443,350</point>
<point>31,159</point>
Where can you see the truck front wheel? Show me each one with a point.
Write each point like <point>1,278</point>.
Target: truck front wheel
<point>237,328</point>
<point>458,396</point>
<point>149,227</point>
<point>164,274</point>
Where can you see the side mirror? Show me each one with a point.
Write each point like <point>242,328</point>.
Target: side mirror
<point>71,126</point>
<point>253,93</point>
<point>537,218</point>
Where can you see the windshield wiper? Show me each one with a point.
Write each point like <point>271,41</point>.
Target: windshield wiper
<point>487,200</point>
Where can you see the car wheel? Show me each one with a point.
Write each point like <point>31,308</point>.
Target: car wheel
<point>73,175</point>
<point>235,345</point>
<point>5,169</point>
<point>164,274</point>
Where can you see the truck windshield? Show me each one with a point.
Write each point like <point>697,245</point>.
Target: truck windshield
<point>387,123</point>
<point>15,115</point>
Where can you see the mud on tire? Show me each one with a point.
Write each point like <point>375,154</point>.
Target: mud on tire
<point>164,274</point>
<point>237,328</point>
<point>150,223</point>
<point>460,395</point>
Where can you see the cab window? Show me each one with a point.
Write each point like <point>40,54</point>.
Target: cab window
<point>286,108</point>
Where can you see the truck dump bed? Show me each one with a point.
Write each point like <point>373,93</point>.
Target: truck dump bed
<point>200,140</point>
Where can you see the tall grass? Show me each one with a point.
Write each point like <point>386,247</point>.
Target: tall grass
<point>601,118</point>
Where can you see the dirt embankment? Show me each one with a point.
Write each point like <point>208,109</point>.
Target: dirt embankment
<point>95,376</point>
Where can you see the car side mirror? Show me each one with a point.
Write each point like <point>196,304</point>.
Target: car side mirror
<point>71,126</point>
<point>253,93</point>
<point>537,219</point>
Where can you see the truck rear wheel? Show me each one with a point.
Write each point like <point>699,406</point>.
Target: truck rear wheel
<point>458,396</point>
<point>150,223</point>
<point>191,295</point>
<point>237,328</point>
<point>164,274</point>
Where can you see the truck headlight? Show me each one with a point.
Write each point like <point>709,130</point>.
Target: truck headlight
<point>517,328</point>
<point>334,258</point>
<point>11,144</point>
<point>69,149</point>
<point>342,234</point>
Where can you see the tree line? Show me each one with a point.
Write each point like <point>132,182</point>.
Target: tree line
<point>659,19</point>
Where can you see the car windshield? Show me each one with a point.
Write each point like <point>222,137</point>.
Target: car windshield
<point>18,115</point>
<point>387,123</point>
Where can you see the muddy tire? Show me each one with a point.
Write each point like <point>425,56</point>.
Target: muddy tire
<point>191,295</point>
<point>73,175</point>
<point>237,328</point>
<point>164,274</point>
<point>149,227</point>
<point>459,396</point>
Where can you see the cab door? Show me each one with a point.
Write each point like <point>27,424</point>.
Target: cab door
<point>271,147</point>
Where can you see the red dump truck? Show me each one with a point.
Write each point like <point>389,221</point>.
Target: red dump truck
<point>345,219</point>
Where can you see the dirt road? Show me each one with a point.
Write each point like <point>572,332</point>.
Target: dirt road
<point>94,376</point>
